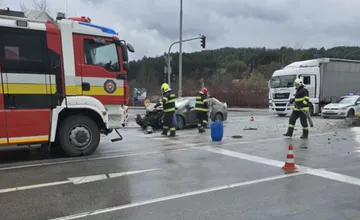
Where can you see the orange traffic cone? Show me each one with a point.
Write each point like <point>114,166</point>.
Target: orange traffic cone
<point>252,118</point>
<point>290,162</point>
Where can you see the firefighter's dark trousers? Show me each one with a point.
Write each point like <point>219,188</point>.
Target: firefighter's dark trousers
<point>303,120</point>
<point>202,119</point>
<point>168,123</point>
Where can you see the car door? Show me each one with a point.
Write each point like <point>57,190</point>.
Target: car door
<point>357,106</point>
<point>191,113</point>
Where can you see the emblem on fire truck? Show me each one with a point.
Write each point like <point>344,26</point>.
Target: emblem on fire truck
<point>110,86</point>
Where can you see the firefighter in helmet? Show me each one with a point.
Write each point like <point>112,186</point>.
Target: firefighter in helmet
<point>168,103</point>
<point>202,109</point>
<point>301,105</point>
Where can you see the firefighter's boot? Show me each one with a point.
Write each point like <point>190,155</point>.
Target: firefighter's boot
<point>165,132</point>
<point>172,134</point>
<point>289,132</point>
<point>201,130</point>
<point>305,134</point>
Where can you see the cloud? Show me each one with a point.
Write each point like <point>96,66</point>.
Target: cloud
<point>151,26</point>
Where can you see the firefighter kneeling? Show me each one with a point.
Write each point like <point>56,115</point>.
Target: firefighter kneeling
<point>201,108</point>
<point>301,105</point>
<point>168,103</point>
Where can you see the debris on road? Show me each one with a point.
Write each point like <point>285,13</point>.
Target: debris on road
<point>250,129</point>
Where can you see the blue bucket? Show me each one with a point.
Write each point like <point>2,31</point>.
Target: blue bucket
<point>217,131</point>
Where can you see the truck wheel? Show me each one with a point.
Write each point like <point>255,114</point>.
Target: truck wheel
<point>79,135</point>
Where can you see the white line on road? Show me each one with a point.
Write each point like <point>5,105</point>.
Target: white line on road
<point>176,196</point>
<point>316,172</point>
<point>76,180</point>
<point>190,147</point>
<point>89,159</point>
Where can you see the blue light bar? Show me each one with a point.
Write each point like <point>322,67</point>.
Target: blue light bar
<point>103,29</point>
<point>351,93</point>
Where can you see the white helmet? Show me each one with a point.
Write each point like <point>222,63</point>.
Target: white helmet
<point>298,81</point>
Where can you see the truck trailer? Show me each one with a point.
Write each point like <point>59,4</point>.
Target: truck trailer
<point>326,79</point>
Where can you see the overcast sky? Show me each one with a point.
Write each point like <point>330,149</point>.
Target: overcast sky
<point>152,25</point>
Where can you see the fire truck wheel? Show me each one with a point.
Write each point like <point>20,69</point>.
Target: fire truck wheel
<point>79,135</point>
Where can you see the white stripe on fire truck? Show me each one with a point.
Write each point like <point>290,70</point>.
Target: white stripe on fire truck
<point>25,78</point>
<point>31,25</point>
<point>95,81</point>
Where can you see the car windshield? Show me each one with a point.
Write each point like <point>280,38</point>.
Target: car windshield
<point>346,100</point>
<point>282,81</point>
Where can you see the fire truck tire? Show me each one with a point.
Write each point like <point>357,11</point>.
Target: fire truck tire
<point>79,135</point>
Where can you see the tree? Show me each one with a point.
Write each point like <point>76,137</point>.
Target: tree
<point>41,5</point>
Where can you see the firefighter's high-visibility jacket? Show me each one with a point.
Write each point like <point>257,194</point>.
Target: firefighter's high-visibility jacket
<point>168,102</point>
<point>301,99</point>
<point>201,103</point>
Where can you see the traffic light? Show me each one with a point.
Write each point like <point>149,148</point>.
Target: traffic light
<point>203,41</point>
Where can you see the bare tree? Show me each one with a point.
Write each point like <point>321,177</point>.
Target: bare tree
<point>41,5</point>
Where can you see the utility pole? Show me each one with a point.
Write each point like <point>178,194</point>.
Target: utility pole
<point>180,49</point>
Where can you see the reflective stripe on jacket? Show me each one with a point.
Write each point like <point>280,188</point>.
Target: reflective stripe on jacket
<point>201,103</point>
<point>168,102</point>
<point>301,100</point>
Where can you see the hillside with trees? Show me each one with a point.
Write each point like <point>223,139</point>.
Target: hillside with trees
<point>237,76</point>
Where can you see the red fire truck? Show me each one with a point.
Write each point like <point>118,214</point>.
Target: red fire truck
<point>63,82</point>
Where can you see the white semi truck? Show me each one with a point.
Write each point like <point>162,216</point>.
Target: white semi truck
<point>326,79</point>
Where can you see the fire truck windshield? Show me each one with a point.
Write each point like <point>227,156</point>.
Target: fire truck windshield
<point>104,55</point>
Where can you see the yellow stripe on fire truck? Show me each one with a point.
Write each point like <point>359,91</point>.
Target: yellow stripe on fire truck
<point>21,140</point>
<point>73,86</point>
<point>18,83</point>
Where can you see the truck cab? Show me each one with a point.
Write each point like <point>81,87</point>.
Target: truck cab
<point>282,89</point>
<point>62,82</point>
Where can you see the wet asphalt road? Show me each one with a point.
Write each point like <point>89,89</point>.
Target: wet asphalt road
<point>150,177</point>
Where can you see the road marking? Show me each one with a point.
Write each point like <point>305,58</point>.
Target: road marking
<point>176,196</point>
<point>93,178</point>
<point>200,145</point>
<point>76,180</point>
<point>234,142</point>
<point>90,159</point>
<point>316,172</point>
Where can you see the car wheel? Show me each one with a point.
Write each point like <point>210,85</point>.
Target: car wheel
<point>180,122</point>
<point>218,117</point>
<point>351,113</point>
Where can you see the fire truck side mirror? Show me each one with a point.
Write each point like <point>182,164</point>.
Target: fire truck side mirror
<point>130,48</point>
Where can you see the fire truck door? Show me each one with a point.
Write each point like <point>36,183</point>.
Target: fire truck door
<point>99,69</point>
<point>3,132</point>
<point>27,98</point>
